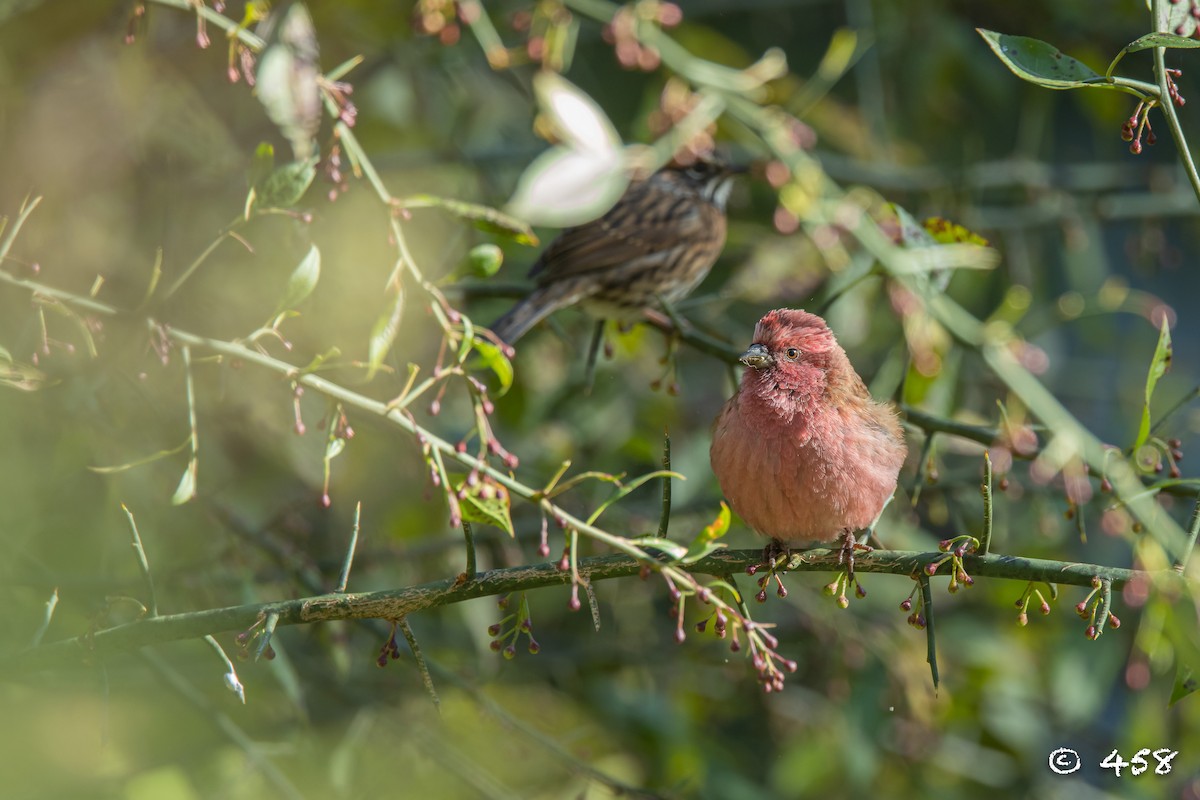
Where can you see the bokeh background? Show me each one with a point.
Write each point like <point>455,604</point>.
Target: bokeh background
<point>142,146</point>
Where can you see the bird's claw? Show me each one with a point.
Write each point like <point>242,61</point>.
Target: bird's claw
<point>846,553</point>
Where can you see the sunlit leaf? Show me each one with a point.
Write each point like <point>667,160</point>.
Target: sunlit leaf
<point>565,187</point>
<point>486,502</point>
<point>1041,63</point>
<point>575,117</point>
<point>706,541</point>
<point>383,333</point>
<point>1159,364</point>
<point>334,448</point>
<point>1161,40</point>
<point>579,179</point>
<point>302,281</point>
<point>186,490</point>
<point>944,231</point>
<point>495,360</point>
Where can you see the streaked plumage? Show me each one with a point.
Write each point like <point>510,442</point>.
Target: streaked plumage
<point>660,239</point>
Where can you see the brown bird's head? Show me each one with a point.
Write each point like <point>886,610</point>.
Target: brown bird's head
<point>710,177</point>
<point>792,350</point>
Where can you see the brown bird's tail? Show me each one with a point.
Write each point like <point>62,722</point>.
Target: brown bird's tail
<point>543,302</point>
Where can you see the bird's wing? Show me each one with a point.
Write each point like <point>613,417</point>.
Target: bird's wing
<point>646,220</point>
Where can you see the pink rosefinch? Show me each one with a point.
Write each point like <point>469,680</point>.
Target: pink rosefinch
<point>801,450</point>
<point>659,240</point>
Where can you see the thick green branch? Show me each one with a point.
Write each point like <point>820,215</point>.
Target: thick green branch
<point>397,603</point>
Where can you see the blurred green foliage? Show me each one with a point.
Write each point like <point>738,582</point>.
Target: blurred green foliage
<point>148,145</point>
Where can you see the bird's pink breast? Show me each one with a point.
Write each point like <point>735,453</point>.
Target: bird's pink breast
<point>806,475</point>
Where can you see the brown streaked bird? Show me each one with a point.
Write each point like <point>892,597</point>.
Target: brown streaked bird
<point>659,240</point>
<point>802,451</point>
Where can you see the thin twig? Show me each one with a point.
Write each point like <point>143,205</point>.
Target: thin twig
<point>589,373</point>
<point>422,667</point>
<point>1193,530</point>
<point>232,682</point>
<point>665,519</point>
<point>930,635</point>
<point>51,604</point>
<point>143,564</point>
<point>918,481</point>
<point>344,577</point>
<point>985,538</point>
<point>469,535</point>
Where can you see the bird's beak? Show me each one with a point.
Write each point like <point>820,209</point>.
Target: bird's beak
<point>757,357</point>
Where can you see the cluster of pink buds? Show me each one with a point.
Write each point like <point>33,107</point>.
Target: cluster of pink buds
<point>506,633</point>
<point>622,32</point>
<point>954,549</point>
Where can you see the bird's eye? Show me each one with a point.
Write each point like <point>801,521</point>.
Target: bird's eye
<point>792,354</point>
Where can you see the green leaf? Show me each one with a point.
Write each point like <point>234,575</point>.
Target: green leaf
<point>706,542</point>
<point>302,281</point>
<point>487,502</point>
<point>1159,364</point>
<point>1185,684</point>
<point>283,187</point>
<point>18,375</point>
<point>715,529</point>
<point>384,333</point>
<point>186,490</point>
<point>1161,40</point>
<point>485,217</point>
<point>495,360</point>
<point>319,360</point>
<point>334,448</point>
<point>1041,63</point>
<point>674,550</point>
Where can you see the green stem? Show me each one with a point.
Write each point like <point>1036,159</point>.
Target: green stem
<point>930,635</point>
<point>1161,14</point>
<point>985,538</point>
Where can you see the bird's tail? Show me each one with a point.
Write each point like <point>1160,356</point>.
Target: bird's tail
<point>530,311</point>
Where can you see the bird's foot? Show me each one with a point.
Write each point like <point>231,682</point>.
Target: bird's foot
<point>775,558</point>
<point>850,544</point>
